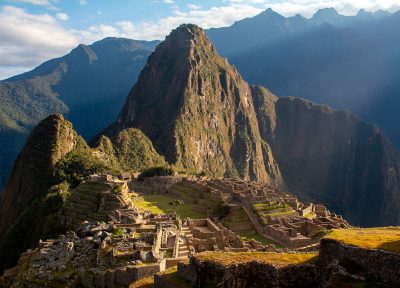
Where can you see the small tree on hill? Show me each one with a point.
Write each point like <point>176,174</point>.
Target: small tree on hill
<point>175,204</point>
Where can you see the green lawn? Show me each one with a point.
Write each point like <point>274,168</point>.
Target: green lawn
<point>159,204</point>
<point>260,238</point>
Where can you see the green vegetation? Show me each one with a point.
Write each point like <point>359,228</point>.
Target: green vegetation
<point>130,150</point>
<point>261,239</point>
<point>159,204</point>
<point>281,259</point>
<point>118,232</point>
<point>238,221</point>
<point>79,164</point>
<point>273,208</point>
<point>200,201</point>
<point>270,206</point>
<point>385,238</point>
<point>155,171</point>
<point>175,204</point>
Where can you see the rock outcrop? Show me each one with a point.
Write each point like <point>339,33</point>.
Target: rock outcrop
<point>198,111</point>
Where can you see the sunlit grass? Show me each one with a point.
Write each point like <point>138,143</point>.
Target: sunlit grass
<point>159,204</point>
<point>385,238</point>
<point>280,259</point>
<point>259,238</point>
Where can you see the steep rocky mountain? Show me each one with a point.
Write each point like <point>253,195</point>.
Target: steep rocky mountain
<point>31,177</point>
<point>347,62</point>
<point>90,81</point>
<point>197,111</point>
<point>332,157</point>
<point>202,116</point>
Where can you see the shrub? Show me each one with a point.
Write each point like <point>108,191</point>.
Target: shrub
<point>156,171</point>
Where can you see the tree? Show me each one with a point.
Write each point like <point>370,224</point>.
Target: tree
<point>175,204</point>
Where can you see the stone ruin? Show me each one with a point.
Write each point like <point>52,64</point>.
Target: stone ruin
<point>292,223</point>
<point>94,199</point>
<point>131,246</point>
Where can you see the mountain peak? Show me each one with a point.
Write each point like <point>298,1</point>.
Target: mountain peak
<point>185,33</point>
<point>326,14</point>
<point>83,53</point>
<point>269,11</point>
<point>364,13</point>
<point>197,110</point>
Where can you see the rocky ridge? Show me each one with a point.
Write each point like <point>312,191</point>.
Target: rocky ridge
<point>197,111</point>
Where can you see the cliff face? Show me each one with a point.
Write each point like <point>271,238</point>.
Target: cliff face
<point>33,169</point>
<point>197,110</point>
<point>332,157</point>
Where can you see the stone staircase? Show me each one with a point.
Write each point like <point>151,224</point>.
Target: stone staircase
<point>183,247</point>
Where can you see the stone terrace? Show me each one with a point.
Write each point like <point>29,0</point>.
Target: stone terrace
<point>277,215</point>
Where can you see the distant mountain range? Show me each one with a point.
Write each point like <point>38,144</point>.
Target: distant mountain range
<point>347,62</point>
<point>88,85</point>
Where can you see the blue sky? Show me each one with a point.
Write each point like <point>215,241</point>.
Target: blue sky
<point>33,31</point>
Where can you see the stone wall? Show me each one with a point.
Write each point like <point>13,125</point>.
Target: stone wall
<point>120,277</point>
<point>377,265</point>
<point>252,274</point>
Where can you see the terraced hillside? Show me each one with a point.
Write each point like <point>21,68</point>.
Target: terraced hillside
<point>94,200</point>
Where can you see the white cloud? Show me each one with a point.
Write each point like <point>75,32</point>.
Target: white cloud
<point>28,39</point>
<point>194,6</point>
<point>82,2</point>
<point>168,1</point>
<point>62,16</point>
<point>33,2</point>
<point>214,17</point>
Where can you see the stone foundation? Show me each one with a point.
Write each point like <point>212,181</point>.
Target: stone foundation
<point>252,274</point>
<point>379,266</point>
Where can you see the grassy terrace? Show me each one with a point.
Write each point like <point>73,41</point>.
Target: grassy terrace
<point>273,208</point>
<point>170,275</point>
<point>279,259</point>
<point>159,204</point>
<point>385,238</point>
<point>260,238</point>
